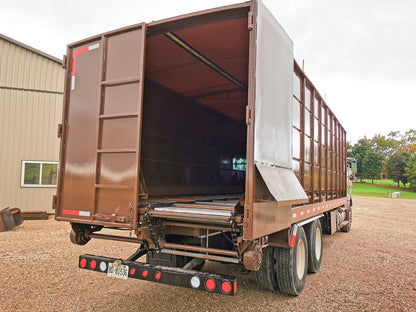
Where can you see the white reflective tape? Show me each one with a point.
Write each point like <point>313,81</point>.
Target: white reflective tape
<point>94,46</point>
<point>295,230</point>
<point>72,82</point>
<point>301,213</point>
<point>84,213</point>
<point>294,215</point>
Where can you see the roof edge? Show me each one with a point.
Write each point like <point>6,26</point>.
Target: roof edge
<point>25,46</point>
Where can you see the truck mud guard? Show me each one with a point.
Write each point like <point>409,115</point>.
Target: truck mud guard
<point>124,269</point>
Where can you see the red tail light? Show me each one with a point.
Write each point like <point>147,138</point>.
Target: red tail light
<point>158,275</point>
<point>145,273</point>
<point>93,264</point>
<point>83,263</point>
<point>132,271</point>
<point>226,287</point>
<point>210,284</point>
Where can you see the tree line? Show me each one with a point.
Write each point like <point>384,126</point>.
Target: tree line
<point>391,156</point>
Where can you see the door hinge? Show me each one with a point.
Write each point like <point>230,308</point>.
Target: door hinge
<point>250,20</point>
<point>60,130</point>
<point>249,114</point>
<point>54,202</point>
<point>64,61</point>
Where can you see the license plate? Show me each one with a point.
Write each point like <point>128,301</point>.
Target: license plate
<point>118,270</point>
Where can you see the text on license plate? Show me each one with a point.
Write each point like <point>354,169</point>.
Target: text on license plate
<point>119,271</point>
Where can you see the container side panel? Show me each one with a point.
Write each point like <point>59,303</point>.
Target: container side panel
<point>273,110</point>
<point>124,54</point>
<point>81,141</point>
<point>100,176</point>
<point>319,143</point>
<point>270,218</point>
<point>117,172</point>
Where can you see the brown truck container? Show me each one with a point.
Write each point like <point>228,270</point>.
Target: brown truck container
<point>203,136</point>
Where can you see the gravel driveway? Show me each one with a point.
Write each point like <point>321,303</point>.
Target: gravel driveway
<point>372,268</point>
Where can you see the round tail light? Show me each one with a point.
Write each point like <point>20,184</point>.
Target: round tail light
<point>226,287</point>
<point>83,263</point>
<point>93,264</point>
<point>210,284</point>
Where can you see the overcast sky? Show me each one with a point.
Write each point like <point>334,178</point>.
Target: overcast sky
<point>360,54</point>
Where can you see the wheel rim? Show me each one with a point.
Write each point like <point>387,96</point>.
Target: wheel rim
<point>300,259</point>
<point>318,243</point>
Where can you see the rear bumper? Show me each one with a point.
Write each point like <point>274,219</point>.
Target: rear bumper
<point>226,285</point>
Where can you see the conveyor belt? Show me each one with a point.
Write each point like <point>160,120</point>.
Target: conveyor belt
<point>211,212</point>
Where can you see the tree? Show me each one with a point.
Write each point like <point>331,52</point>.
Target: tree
<point>395,167</point>
<point>385,146</point>
<point>409,142</point>
<point>358,152</point>
<point>372,165</point>
<point>411,172</point>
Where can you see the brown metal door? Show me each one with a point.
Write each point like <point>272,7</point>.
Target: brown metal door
<point>102,124</point>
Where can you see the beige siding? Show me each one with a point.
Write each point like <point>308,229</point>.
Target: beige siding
<point>29,115</point>
<point>22,68</point>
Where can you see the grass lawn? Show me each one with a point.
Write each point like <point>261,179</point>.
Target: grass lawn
<point>384,182</point>
<point>379,191</point>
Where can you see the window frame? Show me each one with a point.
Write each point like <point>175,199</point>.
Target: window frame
<point>41,163</point>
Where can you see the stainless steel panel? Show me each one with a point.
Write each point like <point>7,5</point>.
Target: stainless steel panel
<point>282,183</point>
<point>274,79</point>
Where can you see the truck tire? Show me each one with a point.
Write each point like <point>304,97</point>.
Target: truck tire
<point>313,233</point>
<point>292,265</point>
<point>346,228</point>
<point>78,234</point>
<point>266,276</point>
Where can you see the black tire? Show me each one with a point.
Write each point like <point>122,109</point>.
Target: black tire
<point>292,265</point>
<point>77,235</point>
<point>346,228</point>
<point>313,233</point>
<point>266,276</point>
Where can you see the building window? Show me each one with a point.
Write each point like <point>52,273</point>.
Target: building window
<point>39,173</point>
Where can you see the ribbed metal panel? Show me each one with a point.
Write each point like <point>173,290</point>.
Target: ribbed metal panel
<point>22,68</point>
<point>31,100</point>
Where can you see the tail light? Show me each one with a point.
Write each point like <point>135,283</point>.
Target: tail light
<point>93,264</point>
<point>210,284</point>
<point>83,262</point>
<point>226,287</point>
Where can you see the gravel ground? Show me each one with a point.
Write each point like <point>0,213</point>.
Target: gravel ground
<point>372,268</point>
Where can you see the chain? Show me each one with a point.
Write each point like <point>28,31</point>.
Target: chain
<point>151,229</point>
<point>233,231</point>
<point>161,232</point>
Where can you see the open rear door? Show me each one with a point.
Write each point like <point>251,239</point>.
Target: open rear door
<point>100,150</point>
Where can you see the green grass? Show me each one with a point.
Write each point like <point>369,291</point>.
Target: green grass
<point>371,190</point>
<point>384,182</point>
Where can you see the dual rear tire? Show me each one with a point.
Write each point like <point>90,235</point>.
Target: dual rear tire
<point>285,269</point>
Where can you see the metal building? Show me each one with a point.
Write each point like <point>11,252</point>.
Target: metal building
<point>31,96</point>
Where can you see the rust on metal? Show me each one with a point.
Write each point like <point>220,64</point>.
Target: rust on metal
<point>9,218</point>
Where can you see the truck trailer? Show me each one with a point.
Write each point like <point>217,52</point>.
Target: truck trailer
<point>199,138</point>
